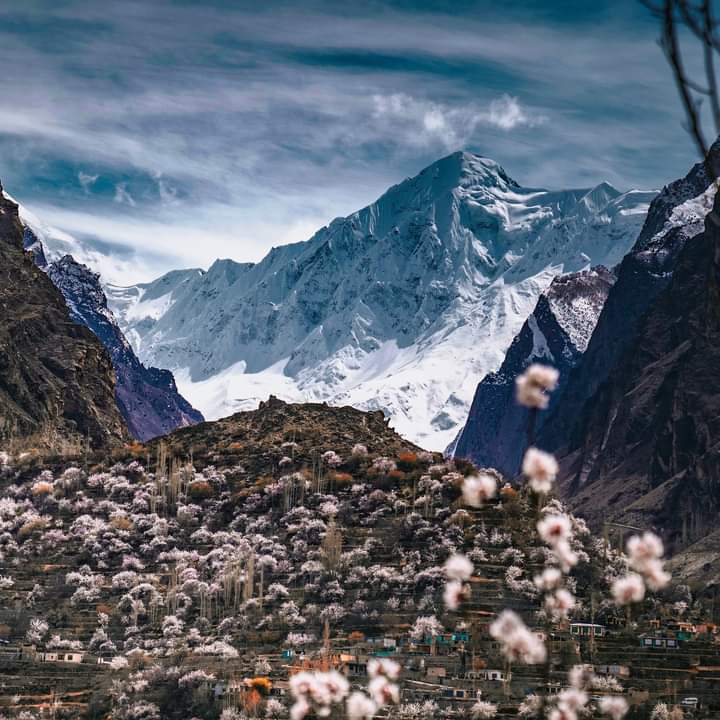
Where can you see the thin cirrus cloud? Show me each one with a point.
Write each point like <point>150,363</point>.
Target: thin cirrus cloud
<point>186,131</point>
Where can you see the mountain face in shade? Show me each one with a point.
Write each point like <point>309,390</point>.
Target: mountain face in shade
<point>401,306</point>
<point>147,397</point>
<point>56,379</point>
<point>556,333</point>
<point>647,449</point>
<point>676,215</point>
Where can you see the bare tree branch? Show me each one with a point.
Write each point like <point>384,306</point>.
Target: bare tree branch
<point>698,19</point>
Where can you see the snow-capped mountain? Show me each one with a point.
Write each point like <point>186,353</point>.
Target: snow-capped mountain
<point>402,306</point>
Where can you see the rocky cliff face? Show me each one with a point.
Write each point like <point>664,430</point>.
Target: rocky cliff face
<point>647,447</point>
<point>56,378</point>
<point>556,333</point>
<point>147,397</point>
<point>676,215</point>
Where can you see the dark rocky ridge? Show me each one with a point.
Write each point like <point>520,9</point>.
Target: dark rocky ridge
<point>56,379</point>
<point>147,396</point>
<point>641,276</point>
<point>556,333</point>
<point>647,449</point>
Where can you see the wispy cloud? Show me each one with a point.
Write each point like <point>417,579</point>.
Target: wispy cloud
<point>123,196</point>
<point>86,180</point>
<point>422,122</point>
<point>232,128</point>
<point>507,113</point>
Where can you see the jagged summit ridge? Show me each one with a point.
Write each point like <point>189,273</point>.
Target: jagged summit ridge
<point>556,333</point>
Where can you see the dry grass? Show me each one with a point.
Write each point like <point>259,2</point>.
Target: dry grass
<point>42,488</point>
<point>121,523</point>
<point>32,527</point>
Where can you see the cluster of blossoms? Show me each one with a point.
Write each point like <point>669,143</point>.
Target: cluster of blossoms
<point>477,489</point>
<point>533,386</point>
<point>541,469</point>
<point>519,644</point>
<point>555,529</point>
<point>316,693</point>
<point>573,701</point>
<point>532,391</point>
<point>483,710</point>
<point>382,690</point>
<point>458,570</point>
<point>332,459</point>
<point>644,557</point>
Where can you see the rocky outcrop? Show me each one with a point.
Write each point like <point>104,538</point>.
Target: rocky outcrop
<point>147,397</point>
<point>57,383</point>
<point>258,439</point>
<point>556,333</point>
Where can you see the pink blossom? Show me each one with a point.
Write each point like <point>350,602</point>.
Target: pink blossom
<point>554,529</point>
<point>548,580</point>
<point>540,468</point>
<point>453,595</point>
<point>383,667</point>
<point>360,707</point>
<point>532,386</point>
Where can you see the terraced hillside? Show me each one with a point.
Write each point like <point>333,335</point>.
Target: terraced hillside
<point>301,537</point>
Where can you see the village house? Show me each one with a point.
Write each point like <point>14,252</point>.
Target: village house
<point>615,670</point>
<point>659,641</point>
<point>62,656</point>
<point>494,675</point>
<point>587,630</point>
<point>436,673</point>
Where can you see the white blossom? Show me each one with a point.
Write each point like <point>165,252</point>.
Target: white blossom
<point>477,489</point>
<point>518,643</point>
<point>482,710</point>
<point>360,707</point>
<point>458,567</point>
<point>453,594</point>
<point>628,589</point>
<point>532,386</point>
<point>378,667</point>
<point>541,469</point>
<point>550,579</point>
<point>554,529</point>
<point>613,707</point>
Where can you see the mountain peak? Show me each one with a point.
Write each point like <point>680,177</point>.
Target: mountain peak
<point>464,168</point>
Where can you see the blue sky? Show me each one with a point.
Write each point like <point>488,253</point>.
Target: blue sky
<point>168,133</point>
